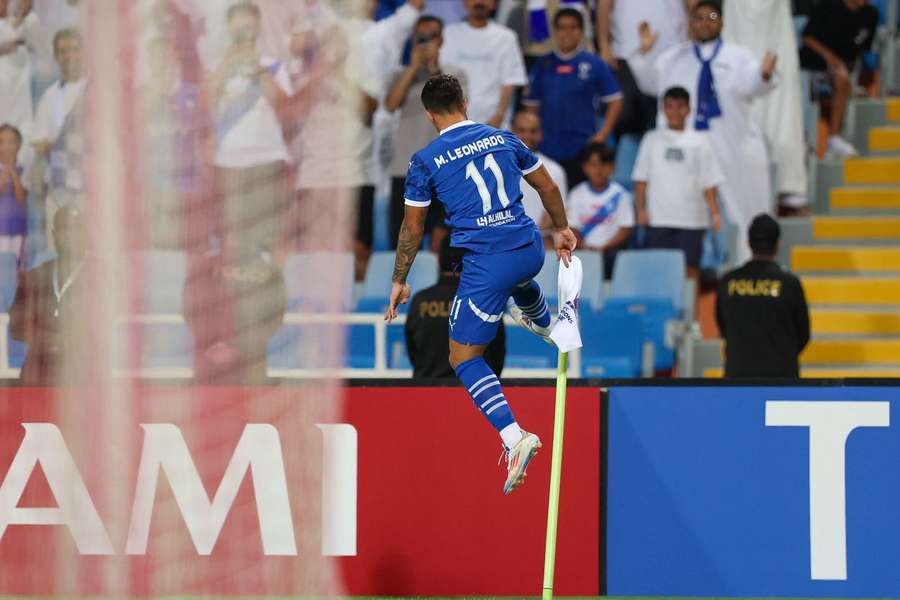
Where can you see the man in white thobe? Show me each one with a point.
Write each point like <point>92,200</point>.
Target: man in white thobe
<point>762,26</point>
<point>723,80</point>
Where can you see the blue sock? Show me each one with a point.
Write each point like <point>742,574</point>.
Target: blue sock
<point>485,390</point>
<point>531,300</point>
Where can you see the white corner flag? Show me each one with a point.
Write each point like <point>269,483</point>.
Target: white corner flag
<point>565,333</point>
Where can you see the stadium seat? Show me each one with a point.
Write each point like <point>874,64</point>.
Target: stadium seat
<point>329,270</point>
<point>16,352</point>
<point>654,315</point>
<point>167,346</point>
<point>524,350</point>
<point>424,273</point>
<point>9,273</point>
<point>287,349</point>
<point>164,273</point>
<point>612,343</point>
<point>649,274</point>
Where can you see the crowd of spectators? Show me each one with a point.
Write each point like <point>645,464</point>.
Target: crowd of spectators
<point>268,127</point>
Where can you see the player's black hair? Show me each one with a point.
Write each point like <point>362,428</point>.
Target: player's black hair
<point>450,258</point>
<point>443,94</point>
<point>65,34</point>
<point>713,4</point>
<point>763,235</point>
<point>569,12</point>
<point>247,8</point>
<point>606,154</point>
<point>13,129</point>
<point>430,19</point>
<point>677,93</point>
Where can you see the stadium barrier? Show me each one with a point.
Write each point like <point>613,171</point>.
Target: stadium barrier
<point>412,494</point>
<point>684,488</point>
<point>380,370</point>
<point>754,491</point>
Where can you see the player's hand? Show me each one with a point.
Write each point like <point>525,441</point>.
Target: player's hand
<point>564,241</point>
<point>716,223</point>
<point>399,295</point>
<point>768,65</point>
<point>647,37</point>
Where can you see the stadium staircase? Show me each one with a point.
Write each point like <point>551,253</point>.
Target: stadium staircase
<point>848,254</point>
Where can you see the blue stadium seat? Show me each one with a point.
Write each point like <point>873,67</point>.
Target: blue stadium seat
<point>649,274</point>
<point>329,270</point>
<point>9,273</point>
<point>167,346</point>
<point>16,352</point>
<point>524,350</point>
<point>654,314</point>
<point>612,343</point>
<point>424,273</point>
<point>592,285</point>
<point>288,351</point>
<point>591,289</point>
<point>164,273</point>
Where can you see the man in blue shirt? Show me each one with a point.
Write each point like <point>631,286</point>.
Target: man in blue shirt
<point>566,89</point>
<point>475,170</point>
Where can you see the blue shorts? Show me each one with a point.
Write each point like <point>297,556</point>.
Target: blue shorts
<point>486,283</point>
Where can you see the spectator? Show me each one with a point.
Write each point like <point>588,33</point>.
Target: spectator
<point>618,22</point>
<point>58,130</point>
<point>172,147</point>
<point>489,54</point>
<point>414,131</point>
<point>727,78</point>
<point>675,177</point>
<point>233,305</point>
<point>248,91</point>
<point>427,323</point>
<point>761,25</point>
<point>46,311</point>
<point>13,193</point>
<point>53,16</point>
<point>761,311</point>
<point>600,210</point>
<point>565,88</point>
<point>837,33</point>
<point>527,127</point>
<point>17,35</point>
<point>338,74</point>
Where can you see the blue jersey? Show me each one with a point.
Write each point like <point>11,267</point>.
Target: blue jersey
<point>569,92</point>
<point>475,171</point>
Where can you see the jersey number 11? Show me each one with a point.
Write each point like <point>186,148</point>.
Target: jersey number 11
<point>490,164</point>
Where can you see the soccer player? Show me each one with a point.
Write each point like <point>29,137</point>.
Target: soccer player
<point>475,170</point>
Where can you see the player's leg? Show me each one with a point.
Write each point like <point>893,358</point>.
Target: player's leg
<point>530,309</point>
<point>475,316</point>
<point>486,392</point>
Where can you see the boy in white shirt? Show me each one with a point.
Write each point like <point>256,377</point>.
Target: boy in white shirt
<point>675,179</point>
<point>600,210</point>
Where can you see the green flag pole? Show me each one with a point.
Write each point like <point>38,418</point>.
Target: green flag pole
<point>559,418</point>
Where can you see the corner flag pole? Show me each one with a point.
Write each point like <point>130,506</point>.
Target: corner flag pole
<point>559,418</point>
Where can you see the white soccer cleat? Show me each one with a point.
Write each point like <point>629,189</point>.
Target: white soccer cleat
<point>517,459</point>
<point>516,313</point>
<point>840,148</point>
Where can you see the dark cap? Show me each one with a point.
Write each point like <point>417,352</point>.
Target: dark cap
<point>764,234</point>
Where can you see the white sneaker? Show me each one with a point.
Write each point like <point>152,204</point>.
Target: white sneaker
<point>516,313</point>
<point>839,147</point>
<point>517,459</point>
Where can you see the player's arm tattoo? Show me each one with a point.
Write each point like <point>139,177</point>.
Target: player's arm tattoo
<point>409,242</point>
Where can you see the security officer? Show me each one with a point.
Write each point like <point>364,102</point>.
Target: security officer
<point>427,335</point>
<point>762,312</point>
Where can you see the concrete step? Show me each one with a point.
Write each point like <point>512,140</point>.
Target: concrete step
<point>855,259</point>
<point>893,109</point>
<point>847,228</point>
<point>848,291</point>
<point>851,352</point>
<point>872,171</point>
<point>884,139</point>
<point>886,198</point>
<point>825,321</point>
